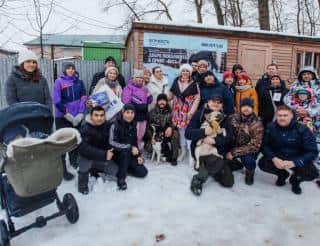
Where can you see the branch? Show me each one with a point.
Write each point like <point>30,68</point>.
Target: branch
<point>166,10</point>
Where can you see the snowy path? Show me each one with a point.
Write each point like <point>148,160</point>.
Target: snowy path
<point>262,214</point>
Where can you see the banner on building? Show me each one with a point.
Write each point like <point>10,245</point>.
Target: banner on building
<point>169,51</point>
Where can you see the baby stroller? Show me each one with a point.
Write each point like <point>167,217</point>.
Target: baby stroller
<point>32,168</point>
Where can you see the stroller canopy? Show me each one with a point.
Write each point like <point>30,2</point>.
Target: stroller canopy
<point>35,116</point>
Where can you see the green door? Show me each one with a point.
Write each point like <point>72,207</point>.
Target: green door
<point>99,51</point>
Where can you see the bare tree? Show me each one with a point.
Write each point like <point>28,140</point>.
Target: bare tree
<point>263,9</point>
<point>155,8</point>
<point>199,4</point>
<point>277,9</point>
<point>308,6</point>
<point>41,19</point>
<point>218,10</point>
<point>234,12</point>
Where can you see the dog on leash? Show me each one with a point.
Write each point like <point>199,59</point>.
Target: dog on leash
<point>213,120</point>
<point>157,138</point>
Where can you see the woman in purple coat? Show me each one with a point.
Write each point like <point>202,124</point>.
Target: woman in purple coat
<point>69,98</point>
<point>137,94</point>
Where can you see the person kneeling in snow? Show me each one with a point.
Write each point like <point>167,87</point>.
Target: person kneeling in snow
<point>289,146</point>
<point>211,165</point>
<point>95,151</point>
<point>160,119</point>
<point>123,138</point>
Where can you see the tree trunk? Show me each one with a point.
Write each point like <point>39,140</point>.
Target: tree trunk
<point>298,16</point>
<point>217,7</point>
<point>41,43</point>
<point>264,19</point>
<point>199,4</point>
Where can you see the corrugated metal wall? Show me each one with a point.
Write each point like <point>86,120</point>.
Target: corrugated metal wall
<point>86,71</point>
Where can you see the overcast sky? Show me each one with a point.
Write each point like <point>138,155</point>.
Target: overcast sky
<point>88,17</point>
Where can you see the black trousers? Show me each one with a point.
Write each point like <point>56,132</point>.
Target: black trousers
<point>128,163</point>
<point>216,167</point>
<point>73,155</point>
<point>306,173</point>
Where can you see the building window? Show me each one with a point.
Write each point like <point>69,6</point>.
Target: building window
<point>307,58</point>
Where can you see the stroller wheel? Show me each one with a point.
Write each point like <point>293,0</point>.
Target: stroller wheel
<point>71,207</point>
<point>4,234</point>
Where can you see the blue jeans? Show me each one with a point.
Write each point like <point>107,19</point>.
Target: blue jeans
<point>249,161</point>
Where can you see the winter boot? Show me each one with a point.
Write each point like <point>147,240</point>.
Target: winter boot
<point>249,178</point>
<point>83,180</point>
<point>295,182</point>
<point>282,177</point>
<point>122,185</point>
<point>66,174</point>
<point>196,186</point>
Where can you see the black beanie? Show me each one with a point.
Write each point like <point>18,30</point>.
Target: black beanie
<point>110,58</point>
<point>247,102</point>
<point>128,106</point>
<point>162,96</point>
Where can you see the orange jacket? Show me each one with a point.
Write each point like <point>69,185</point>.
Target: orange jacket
<point>248,93</point>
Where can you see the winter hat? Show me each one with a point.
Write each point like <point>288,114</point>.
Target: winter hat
<point>128,106</point>
<point>185,66</point>
<point>236,67</point>
<point>67,65</point>
<point>208,73</point>
<point>227,74</point>
<point>162,96</point>
<point>138,73</point>
<point>12,132</point>
<point>26,55</point>
<point>247,102</point>
<point>110,58</point>
<point>302,91</point>
<point>215,97</point>
<point>243,75</point>
<point>111,68</point>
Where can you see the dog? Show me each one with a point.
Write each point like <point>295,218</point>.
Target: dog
<point>213,120</point>
<point>156,145</point>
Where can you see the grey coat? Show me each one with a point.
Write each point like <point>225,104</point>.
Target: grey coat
<point>21,90</point>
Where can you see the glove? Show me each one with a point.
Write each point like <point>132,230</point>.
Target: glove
<point>69,118</point>
<point>77,120</point>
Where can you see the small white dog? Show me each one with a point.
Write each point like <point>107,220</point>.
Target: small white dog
<point>213,120</point>
<point>156,145</point>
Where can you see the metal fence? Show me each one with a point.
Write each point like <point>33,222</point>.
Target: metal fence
<point>50,69</point>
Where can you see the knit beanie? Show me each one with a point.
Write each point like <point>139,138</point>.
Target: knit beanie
<point>247,102</point>
<point>162,96</point>
<point>111,68</point>
<point>185,66</point>
<point>127,107</point>
<point>227,74</point>
<point>26,55</point>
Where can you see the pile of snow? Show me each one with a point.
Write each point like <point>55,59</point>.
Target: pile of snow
<point>162,203</point>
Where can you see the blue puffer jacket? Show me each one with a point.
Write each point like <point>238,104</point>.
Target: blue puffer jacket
<point>195,133</point>
<point>294,143</point>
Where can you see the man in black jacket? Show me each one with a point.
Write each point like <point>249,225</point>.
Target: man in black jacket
<point>109,62</point>
<point>289,145</point>
<point>123,139</point>
<point>211,164</point>
<point>263,85</point>
<point>95,151</point>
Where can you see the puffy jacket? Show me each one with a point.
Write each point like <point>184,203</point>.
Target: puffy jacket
<point>194,132</point>
<point>294,143</point>
<point>248,134</point>
<point>22,90</point>
<point>69,96</point>
<point>313,84</point>
<point>247,92</point>
<point>95,140</point>
<point>140,97</point>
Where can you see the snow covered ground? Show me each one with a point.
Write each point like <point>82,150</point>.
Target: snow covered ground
<point>262,214</point>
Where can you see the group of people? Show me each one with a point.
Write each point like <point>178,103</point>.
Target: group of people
<point>269,122</point>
